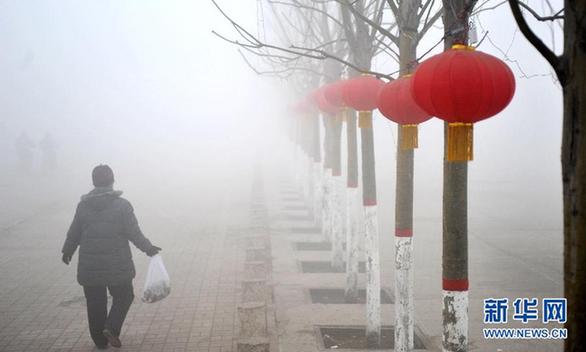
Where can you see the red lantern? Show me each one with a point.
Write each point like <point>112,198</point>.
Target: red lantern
<point>319,99</point>
<point>301,107</point>
<point>396,103</point>
<point>462,86</point>
<point>333,93</point>
<point>361,94</point>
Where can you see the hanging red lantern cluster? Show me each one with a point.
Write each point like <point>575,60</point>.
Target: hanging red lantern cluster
<point>462,86</point>
<point>396,103</point>
<point>361,94</point>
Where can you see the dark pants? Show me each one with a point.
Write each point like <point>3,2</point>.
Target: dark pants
<point>97,309</point>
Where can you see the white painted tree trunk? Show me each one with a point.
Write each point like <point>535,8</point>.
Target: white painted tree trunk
<point>403,294</point>
<point>302,177</point>
<point>317,193</point>
<point>309,182</point>
<point>296,165</point>
<point>455,336</point>
<point>326,227</point>
<point>353,211</point>
<point>338,224</point>
<point>371,247</point>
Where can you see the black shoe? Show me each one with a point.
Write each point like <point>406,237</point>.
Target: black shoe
<point>112,339</point>
<point>102,347</point>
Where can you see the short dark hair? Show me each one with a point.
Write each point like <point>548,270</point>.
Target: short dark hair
<point>102,176</point>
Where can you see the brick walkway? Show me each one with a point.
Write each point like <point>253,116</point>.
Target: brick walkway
<point>42,307</point>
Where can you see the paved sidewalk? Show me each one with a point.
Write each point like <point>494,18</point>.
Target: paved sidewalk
<point>42,307</point>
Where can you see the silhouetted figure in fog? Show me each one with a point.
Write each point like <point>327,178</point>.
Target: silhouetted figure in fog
<point>24,151</point>
<point>49,153</point>
<point>103,225</point>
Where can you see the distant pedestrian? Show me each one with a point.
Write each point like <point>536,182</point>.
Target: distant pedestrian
<point>49,153</point>
<point>103,225</point>
<point>24,151</point>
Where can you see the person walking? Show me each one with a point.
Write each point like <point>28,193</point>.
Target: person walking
<point>103,225</point>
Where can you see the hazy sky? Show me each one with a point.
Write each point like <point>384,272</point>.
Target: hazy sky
<point>130,69</point>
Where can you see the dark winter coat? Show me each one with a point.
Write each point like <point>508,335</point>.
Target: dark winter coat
<point>103,224</point>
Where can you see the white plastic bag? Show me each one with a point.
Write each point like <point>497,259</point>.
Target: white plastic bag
<point>157,284</point>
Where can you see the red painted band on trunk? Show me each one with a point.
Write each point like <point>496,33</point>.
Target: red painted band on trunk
<point>352,185</point>
<point>404,232</point>
<point>337,173</point>
<point>455,285</point>
<point>369,202</point>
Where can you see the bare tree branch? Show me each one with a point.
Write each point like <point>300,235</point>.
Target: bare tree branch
<point>481,8</point>
<point>555,61</point>
<point>370,22</point>
<point>312,53</point>
<point>556,16</point>
<point>429,24</point>
<point>326,55</point>
<point>425,8</point>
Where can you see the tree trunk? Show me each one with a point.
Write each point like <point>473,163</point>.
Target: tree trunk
<point>361,50</point>
<point>317,170</point>
<point>337,195</point>
<point>352,211</point>
<point>327,180</point>
<point>574,173</point>
<point>455,211</point>
<point>371,236</point>
<point>404,321</point>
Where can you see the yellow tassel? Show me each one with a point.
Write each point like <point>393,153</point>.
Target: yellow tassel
<point>346,113</point>
<point>460,142</point>
<point>408,137</point>
<point>365,119</point>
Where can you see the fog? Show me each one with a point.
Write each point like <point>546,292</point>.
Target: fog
<point>145,87</point>
<point>142,86</point>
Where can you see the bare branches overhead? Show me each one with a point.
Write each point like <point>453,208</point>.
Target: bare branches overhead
<point>555,61</point>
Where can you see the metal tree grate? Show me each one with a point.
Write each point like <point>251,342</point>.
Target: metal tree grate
<point>312,246</point>
<point>295,207</point>
<point>306,230</point>
<point>343,337</point>
<point>298,217</point>
<point>336,296</point>
<point>326,267</point>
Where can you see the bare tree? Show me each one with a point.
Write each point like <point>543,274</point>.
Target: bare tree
<point>570,68</point>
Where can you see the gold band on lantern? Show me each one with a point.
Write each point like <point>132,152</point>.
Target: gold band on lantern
<point>365,119</point>
<point>408,137</point>
<point>460,141</point>
<point>463,47</point>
